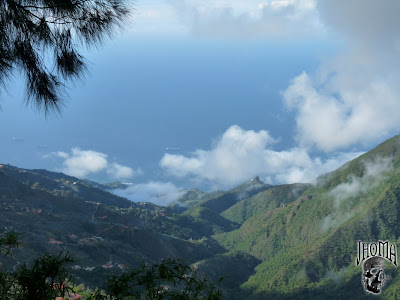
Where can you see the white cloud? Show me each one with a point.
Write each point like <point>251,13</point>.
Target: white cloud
<point>374,173</point>
<point>59,154</point>
<point>155,17</point>
<point>81,163</point>
<point>118,171</point>
<point>354,97</point>
<point>160,193</point>
<point>336,119</point>
<point>221,18</point>
<point>62,154</point>
<point>239,155</point>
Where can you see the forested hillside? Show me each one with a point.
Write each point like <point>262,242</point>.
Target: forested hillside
<point>296,241</point>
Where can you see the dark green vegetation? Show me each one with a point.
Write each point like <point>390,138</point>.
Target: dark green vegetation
<point>264,201</point>
<point>103,233</point>
<point>170,279</point>
<point>50,278</point>
<point>294,241</point>
<point>41,39</point>
<point>46,279</point>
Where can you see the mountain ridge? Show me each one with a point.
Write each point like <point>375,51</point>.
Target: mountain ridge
<point>293,241</point>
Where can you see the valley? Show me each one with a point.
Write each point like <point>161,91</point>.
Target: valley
<point>293,241</point>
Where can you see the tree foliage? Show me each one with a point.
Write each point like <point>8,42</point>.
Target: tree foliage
<point>170,279</point>
<point>50,277</point>
<point>41,38</point>
<point>47,278</point>
<point>8,241</point>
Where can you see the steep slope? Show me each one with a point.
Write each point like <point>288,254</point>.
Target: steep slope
<point>195,196</point>
<point>230,198</point>
<point>309,247</point>
<point>203,210</point>
<point>264,201</point>
<point>209,222</point>
<point>61,184</point>
<point>218,201</point>
<point>303,250</point>
<point>233,267</point>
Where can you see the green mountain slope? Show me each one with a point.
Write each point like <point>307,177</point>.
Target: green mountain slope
<point>230,198</point>
<point>264,201</point>
<point>304,249</point>
<point>219,201</point>
<point>61,184</point>
<point>309,247</point>
<point>209,222</point>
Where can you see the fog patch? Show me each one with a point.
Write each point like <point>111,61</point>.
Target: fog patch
<point>159,193</point>
<point>375,172</point>
<point>299,188</point>
<point>334,220</point>
<point>253,188</point>
<point>336,277</point>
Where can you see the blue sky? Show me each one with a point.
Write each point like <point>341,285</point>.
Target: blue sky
<point>279,89</point>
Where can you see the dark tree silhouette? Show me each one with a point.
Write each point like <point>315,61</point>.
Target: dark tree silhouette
<point>50,277</point>
<point>41,38</point>
<point>170,279</point>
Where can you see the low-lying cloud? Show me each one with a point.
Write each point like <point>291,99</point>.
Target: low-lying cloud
<point>118,171</point>
<point>160,193</point>
<point>81,163</point>
<point>375,172</point>
<point>241,154</point>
